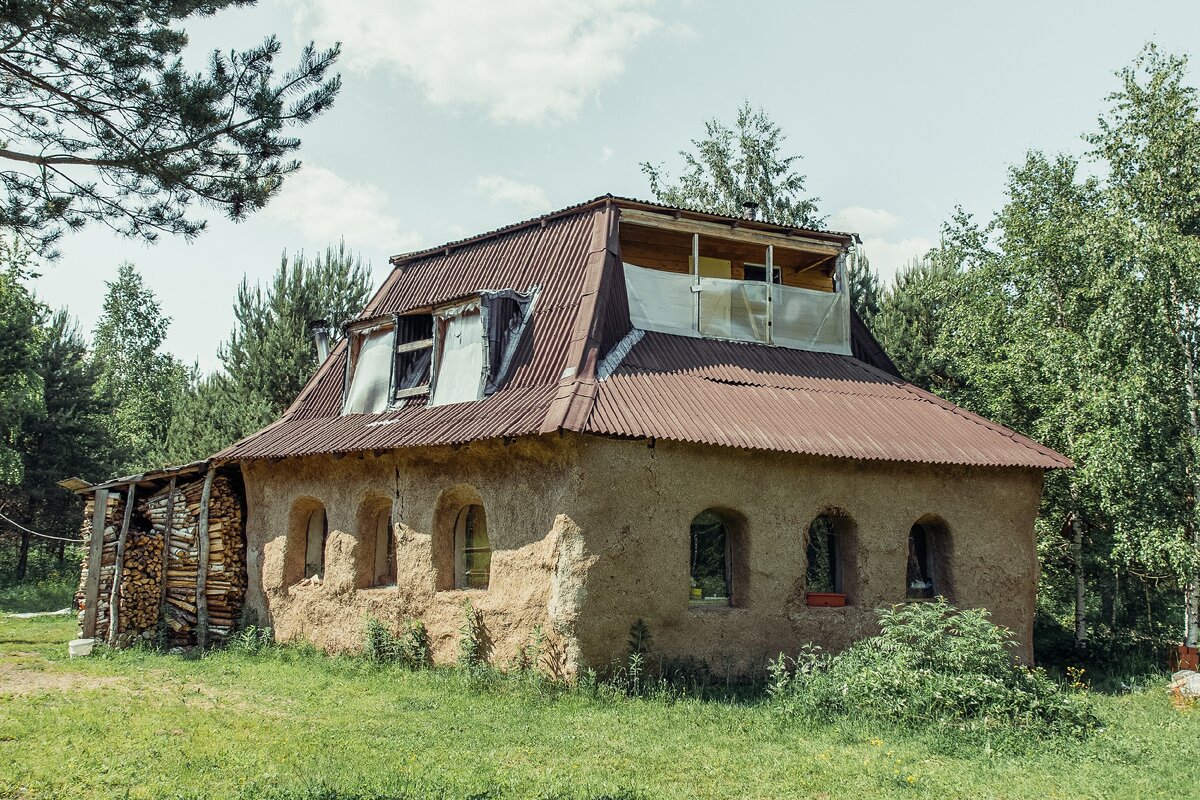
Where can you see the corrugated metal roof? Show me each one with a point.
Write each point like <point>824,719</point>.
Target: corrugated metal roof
<point>679,388</point>
<point>770,398</point>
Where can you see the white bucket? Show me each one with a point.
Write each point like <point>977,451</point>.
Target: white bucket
<point>80,647</point>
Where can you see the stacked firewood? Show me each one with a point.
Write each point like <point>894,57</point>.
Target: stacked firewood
<point>141,583</point>
<point>108,563</point>
<point>147,592</point>
<point>225,579</point>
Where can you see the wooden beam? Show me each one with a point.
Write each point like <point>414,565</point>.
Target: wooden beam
<point>651,220</point>
<point>114,601</point>
<point>202,562</point>
<point>91,590</point>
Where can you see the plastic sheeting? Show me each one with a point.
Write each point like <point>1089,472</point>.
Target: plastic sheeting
<point>460,366</point>
<point>734,309</point>
<point>660,301</point>
<point>806,319</point>
<point>803,319</point>
<point>371,373</point>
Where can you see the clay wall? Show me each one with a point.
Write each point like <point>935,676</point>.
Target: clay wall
<point>590,534</point>
<point>637,526</point>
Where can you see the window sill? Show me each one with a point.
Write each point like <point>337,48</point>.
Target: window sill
<point>711,606</point>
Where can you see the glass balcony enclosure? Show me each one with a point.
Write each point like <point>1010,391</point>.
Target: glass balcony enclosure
<point>702,284</point>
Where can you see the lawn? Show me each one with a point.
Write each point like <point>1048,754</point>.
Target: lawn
<point>292,723</point>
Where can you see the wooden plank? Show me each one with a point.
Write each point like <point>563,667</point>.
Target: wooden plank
<point>202,569</point>
<point>91,590</point>
<point>114,601</point>
<point>167,526</point>
<point>651,220</point>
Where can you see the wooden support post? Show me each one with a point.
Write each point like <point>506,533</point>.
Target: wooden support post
<point>202,562</point>
<point>696,281</point>
<point>771,293</point>
<point>114,601</point>
<point>91,590</point>
<point>162,598</point>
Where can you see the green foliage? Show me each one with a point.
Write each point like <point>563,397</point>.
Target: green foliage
<point>470,637</point>
<point>742,164</point>
<point>103,122</point>
<point>339,725</point>
<point>144,383</point>
<point>21,390</point>
<point>866,291</point>
<point>252,640</point>
<point>271,350</point>
<point>409,649</point>
<point>931,664</point>
<point>270,355</point>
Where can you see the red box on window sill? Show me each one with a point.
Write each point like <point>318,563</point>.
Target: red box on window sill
<point>825,599</point>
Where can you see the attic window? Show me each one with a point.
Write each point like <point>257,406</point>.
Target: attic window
<point>369,368</point>
<point>475,344</point>
<point>414,354</point>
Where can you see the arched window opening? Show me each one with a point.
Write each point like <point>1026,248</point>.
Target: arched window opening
<point>472,549</point>
<point>385,550</point>
<point>314,550</point>
<point>928,572</point>
<point>711,560</point>
<point>823,571</point>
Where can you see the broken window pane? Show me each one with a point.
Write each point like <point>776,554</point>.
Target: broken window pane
<point>710,559</point>
<point>460,367</point>
<point>414,346</point>
<point>369,371</point>
<point>505,314</point>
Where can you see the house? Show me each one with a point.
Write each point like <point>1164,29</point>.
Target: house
<point>625,411</point>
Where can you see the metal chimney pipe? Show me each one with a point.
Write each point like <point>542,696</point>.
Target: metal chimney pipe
<point>319,328</point>
<point>750,210</point>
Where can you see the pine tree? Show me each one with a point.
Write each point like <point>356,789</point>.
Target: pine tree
<point>104,124</point>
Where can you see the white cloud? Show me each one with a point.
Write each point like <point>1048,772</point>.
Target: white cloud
<point>521,60</point>
<point>499,189</point>
<point>323,207</point>
<point>864,221</point>
<point>606,153</point>
<point>888,257</point>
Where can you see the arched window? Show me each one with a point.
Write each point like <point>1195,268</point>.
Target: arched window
<point>928,571</point>
<point>472,550</point>
<point>384,563</point>
<point>823,564</point>
<point>314,549</point>
<point>711,560</point>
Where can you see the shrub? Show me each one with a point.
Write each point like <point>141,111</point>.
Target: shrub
<point>409,649</point>
<point>931,663</point>
<point>470,637</point>
<point>252,639</point>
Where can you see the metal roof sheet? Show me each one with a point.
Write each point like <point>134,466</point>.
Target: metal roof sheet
<point>771,398</point>
<point>680,388</point>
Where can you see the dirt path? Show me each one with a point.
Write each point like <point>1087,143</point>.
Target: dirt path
<point>21,680</point>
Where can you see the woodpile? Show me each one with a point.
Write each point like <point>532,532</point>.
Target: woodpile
<point>225,579</point>
<point>160,575</point>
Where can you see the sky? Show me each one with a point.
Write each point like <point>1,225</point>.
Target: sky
<point>461,117</point>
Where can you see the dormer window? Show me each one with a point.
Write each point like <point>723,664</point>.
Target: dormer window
<point>696,278</point>
<point>455,353</point>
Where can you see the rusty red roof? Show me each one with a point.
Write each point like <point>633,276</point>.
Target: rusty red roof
<point>668,387</point>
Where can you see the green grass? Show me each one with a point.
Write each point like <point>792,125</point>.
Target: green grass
<point>47,586</point>
<point>293,723</point>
